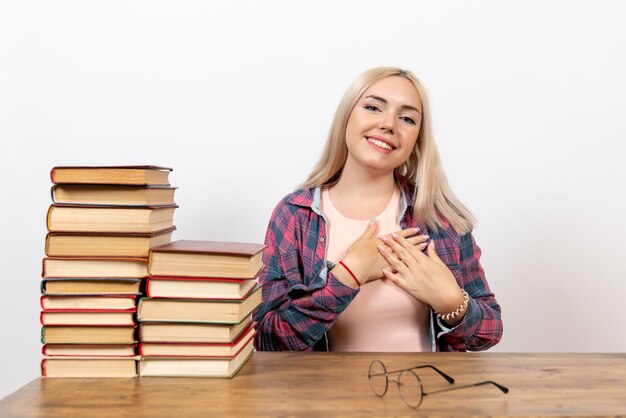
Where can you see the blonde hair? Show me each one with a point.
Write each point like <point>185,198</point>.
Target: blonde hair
<point>433,198</point>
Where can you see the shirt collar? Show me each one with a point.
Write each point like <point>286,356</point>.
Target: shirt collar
<point>312,197</point>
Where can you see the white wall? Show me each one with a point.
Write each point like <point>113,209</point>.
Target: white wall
<point>237,96</point>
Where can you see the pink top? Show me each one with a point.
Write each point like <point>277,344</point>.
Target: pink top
<point>382,317</point>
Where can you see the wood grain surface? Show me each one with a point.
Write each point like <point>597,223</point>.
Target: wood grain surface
<point>336,384</point>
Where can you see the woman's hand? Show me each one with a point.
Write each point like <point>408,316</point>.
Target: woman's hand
<point>424,276</point>
<point>364,259</point>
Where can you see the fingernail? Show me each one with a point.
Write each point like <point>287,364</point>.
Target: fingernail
<point>385,271</point>
<point>381,248</point>
<point>393,234</point>
<point>384,238</point>
<point>416,229</point>
<point>426,236</point>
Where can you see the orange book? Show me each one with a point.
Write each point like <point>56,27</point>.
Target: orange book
<point>90,286</point>
<point>72,334</point>
<point>219,311</point>
<point>187,258</point>
<point>86,194</point>
<point>138,175</point>
<point>89,367</point>
<point>181,332</point>
<point>98,218</point>
<point>195,367</point>
<point>89,267</point>
<point>105,244</point>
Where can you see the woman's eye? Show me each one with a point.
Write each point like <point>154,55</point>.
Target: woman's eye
<point>408,120</point>
<point>373,108</point>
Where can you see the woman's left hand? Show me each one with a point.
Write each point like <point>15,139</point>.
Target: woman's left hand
<point>424,276</point>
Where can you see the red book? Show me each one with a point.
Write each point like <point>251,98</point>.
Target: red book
<point>215,311</point>
<point>205,350</point>
<point>122,303</point>
<point>92,317</point>
<point>89,350</point>
<point>197,287</point>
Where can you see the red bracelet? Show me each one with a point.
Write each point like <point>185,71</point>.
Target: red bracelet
<point>351,274</point>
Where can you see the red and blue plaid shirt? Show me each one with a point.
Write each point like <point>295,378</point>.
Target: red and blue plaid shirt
<point>302,297</point>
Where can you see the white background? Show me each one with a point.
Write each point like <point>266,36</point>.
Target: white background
<point>237,97</point>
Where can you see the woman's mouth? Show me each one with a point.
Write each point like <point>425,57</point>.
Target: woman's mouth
<point>379,143</point>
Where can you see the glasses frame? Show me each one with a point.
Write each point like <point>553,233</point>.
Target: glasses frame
<point>423,393</point>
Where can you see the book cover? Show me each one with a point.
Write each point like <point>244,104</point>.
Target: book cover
<point>210,247</point>
<point>127,175</point>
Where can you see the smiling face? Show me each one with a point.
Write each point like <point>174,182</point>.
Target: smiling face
<point>384,124</point>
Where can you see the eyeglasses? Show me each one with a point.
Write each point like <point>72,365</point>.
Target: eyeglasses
<point>409,384</point>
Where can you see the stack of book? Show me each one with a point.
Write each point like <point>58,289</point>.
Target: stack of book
<point>196,318</point>
<point>102,224</point>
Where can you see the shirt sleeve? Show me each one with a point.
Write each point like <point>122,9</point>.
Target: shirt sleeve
<point>291,315</point>
<point>481,327</point>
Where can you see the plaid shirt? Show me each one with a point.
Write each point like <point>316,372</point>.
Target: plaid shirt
<point>302,297</point>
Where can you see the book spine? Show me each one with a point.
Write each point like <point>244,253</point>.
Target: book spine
<point>52,174</point>
<point>52,194</point>
<point>149,262</point>
<point>43,368</point>
<point>148,281</point>
<point>43,335</point>
<point>49,217</point>
<point>47,243</point>
<point>138,313</point>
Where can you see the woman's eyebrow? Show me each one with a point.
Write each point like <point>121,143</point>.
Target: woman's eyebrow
<point>380,99</point>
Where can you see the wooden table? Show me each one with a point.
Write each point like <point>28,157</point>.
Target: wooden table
<point>334,384</point>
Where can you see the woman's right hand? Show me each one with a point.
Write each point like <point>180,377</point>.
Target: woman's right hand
<point>364,259</point>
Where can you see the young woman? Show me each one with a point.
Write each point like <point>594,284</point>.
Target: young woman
<point>374,252</point>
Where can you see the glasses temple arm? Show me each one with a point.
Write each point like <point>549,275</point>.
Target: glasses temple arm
<point>504,389</point>
<point>442,374</point>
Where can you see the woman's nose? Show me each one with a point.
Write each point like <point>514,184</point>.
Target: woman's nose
<point>387,122</point>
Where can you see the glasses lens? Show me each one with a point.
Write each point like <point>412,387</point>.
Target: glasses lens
<point>410,388</point>
<point>378,377</point>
